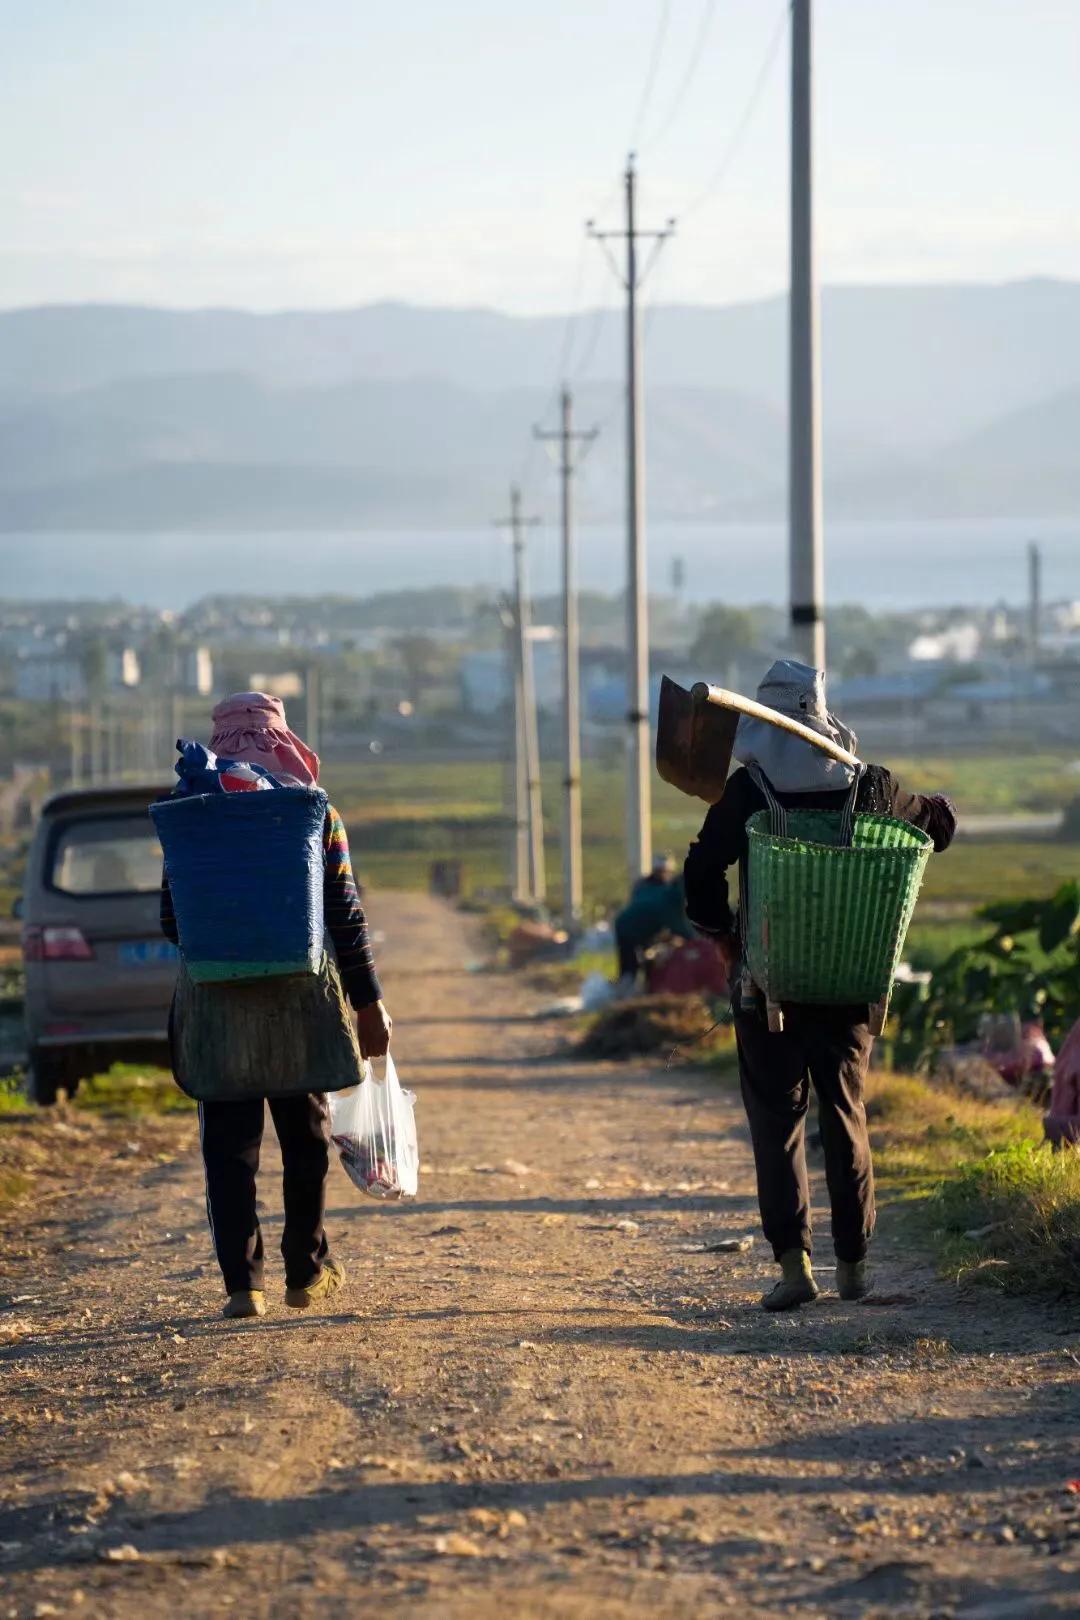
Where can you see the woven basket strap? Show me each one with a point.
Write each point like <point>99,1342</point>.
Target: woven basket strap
<point>744,908</point>
<point>777,813</point>
<point>847,815</point>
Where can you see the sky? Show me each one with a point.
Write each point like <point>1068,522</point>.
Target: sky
<point>320,153</point>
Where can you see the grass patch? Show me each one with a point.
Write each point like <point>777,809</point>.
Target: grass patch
<point>403,815</point>
<point>132,1091</point>
<point>13,1186</point>
<point>13,1098</point>
<point>1001,783</point>
<point>921,1132</point>
<point>964,1166</point>
<point>566,978</point>
<point>1023,1201</point>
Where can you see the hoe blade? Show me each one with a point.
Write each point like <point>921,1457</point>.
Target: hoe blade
<point>694,740</point>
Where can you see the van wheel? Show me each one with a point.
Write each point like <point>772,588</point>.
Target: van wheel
<point>51,1073</point>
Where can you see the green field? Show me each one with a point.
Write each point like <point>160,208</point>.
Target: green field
<point>403,816</point>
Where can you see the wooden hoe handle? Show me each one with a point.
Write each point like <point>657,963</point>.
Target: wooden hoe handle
<point>703,693</point>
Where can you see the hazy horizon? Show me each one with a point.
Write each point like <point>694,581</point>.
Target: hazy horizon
<point>880,565</point>
<point>583,312</point>
<point>254,158</point>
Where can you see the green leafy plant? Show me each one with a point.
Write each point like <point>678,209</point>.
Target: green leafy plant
<point>1028,964</point>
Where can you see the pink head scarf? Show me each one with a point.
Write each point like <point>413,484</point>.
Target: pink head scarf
<point>251,726</point>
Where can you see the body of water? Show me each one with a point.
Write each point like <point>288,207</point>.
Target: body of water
<point>881,565</point>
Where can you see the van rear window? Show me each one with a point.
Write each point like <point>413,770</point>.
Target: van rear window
<point>106,855</point>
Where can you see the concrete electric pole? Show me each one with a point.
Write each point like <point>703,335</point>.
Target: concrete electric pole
<point>639,763</point>
<point>567,438</point>
<point>1034,597</point>
<point>804,378</point>
<point>515,785</point>
<point>527,773</point>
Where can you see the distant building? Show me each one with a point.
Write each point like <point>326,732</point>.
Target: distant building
<point>287,683</point>
<point>957,644</point>
<point>195,670</point>
<point>59,675</point>
<point>485,678</point>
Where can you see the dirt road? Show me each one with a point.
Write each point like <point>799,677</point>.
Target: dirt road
<point>539,1397</point>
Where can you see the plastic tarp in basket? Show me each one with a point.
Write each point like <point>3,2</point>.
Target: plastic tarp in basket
<point>246,874</point>
<point>826,919</point>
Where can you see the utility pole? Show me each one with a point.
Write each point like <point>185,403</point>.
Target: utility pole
<point>804,376</point>
<point>312,706</point>
<point>515,784</point>
<point>74,742</point>
<point>528,741</point>
<point>639,781</point>
<point>1034,597</point>
<point>571,670</point>
<point>95,726</point>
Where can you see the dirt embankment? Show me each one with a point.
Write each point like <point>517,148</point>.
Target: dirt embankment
<point>545,1393</point>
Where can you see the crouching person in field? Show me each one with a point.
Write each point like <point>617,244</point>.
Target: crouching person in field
<point>251,728</point>
<point>828,1046</point>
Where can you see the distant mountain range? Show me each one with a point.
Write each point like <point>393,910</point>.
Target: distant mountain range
<point>938,402</point>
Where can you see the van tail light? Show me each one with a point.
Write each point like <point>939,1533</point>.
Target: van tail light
<point>55,945</point>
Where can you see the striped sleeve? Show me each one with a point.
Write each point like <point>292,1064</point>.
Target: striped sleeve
<point>345,918</point>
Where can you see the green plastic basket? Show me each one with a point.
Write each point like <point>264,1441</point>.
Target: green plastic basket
<point>826,922</point>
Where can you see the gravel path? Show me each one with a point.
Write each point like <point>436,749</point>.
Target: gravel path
<point>540,1396</point>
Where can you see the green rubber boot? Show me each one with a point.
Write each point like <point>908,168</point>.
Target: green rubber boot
<point>796,1286</point>
<point>330,1279</point>
<point>248,1302</point>
<point>853,1279</point>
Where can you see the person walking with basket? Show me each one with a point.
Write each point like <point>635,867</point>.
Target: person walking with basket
<point>215,1024</point>
<point>826,1045</point>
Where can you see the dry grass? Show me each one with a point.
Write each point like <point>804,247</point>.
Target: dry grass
<point>1024,1203</point>
<point>679,1027</point>
<point>920,1131</point>
<point>999,1204</point>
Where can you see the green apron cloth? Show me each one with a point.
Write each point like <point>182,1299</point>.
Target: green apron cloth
<point>265,1038</point>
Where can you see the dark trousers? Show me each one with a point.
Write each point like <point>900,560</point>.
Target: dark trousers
<point>829,1046</point>
<point>626,954</point>
<point>231,1136</point>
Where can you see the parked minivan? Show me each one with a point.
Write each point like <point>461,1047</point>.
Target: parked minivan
<point>99,975</point>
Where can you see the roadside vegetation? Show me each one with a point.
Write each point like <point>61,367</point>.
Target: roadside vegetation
<point>1000,1207</point>
<point>126,1120</point>
<point>404,815</point>
<point>126,1091</point>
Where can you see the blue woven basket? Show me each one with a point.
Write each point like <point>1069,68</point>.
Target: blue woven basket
<point>246,874</point>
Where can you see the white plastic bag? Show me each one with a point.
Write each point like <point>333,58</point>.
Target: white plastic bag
<point>373,1127</point>
<point>597,992</point>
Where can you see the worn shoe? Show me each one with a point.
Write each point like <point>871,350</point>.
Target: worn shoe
<point>247,1302</point>
<point>853,1280</point>
<point>326,1284</point>
<point>796,1286</point>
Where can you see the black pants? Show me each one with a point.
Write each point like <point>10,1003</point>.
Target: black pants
<point>829,1046</point>
<point>626,954</point>
<point>231,1136</point>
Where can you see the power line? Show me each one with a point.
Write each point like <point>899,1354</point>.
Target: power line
<point>719,174</point>
<point>697,54</point>
<point>655,58</point>
<point>599,317</point>
<point>716,179</point>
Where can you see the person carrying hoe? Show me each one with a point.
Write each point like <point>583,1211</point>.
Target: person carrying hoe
<point>827,1046</point>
